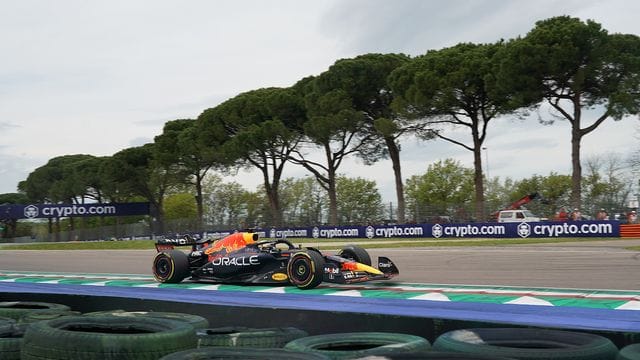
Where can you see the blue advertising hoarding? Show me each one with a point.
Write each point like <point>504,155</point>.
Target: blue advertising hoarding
<point>546,229</point>
<point>37,211</point>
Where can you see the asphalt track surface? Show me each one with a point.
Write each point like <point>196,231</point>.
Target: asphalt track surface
<point>585,265</point>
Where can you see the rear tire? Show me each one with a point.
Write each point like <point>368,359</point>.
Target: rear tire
<point>355,253</point>
<point>305,269</point>
<point>171,266</point>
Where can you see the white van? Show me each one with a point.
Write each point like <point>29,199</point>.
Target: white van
<point>517,216</point>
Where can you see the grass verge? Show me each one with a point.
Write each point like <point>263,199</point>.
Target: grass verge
<point>323,244</point>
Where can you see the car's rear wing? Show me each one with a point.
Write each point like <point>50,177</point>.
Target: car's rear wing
<point>170,244</point>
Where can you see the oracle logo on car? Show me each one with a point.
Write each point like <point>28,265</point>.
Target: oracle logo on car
<point>236,261</point>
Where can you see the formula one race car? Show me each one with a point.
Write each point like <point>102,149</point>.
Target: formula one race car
<point>241,258</point>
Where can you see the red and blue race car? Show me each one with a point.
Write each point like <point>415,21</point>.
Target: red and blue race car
<point>241,258</point>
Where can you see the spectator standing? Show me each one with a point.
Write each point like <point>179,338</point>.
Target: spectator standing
<point>576,215</point>
<point>602,215</point>
<point>562,215</point>
<point>632,217</point>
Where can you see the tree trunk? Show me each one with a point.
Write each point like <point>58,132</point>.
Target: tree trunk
<point>274,204</point>
<point>333,201</point>
<point>479,185</point>
<point>478,179</point>
<point>576,173</point>
<point>158,215</point>
<point>394,155</point>
<point>199,203</point>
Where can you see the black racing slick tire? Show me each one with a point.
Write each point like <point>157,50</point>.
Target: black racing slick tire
<point>170,266</point>
<point>527,343</point>
<point>248,337</point>
<point>241,353</point>
<point>198,322</point>
<point>355,253</point>
<point>629,352</point>
<point>106,337</point>
<point>360,344</point>
<point>17,309</point>
<point>305,269</point>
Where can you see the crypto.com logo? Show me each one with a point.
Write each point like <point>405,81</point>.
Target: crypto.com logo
<point>524,230</point>
<point>436,230</point>
<point>31,211</point>
<point>370,232</point>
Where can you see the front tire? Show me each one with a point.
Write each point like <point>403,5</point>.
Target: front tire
<point>170,266</point>
<point>355,253</point>
<point>305,269</point>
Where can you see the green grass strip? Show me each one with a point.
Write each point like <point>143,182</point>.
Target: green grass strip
<point>323,244</point>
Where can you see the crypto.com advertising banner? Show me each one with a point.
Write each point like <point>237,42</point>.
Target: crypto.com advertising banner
<point>36,211</point>
<point>547,229</point>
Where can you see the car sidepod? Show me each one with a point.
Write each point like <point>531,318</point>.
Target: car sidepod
<point>244,267</point>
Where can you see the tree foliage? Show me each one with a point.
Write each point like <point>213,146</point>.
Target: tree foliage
<point>455,87</point>
<point>180,149</point>
<point>138,171</point>
<point>231,206</point>
<point>575,66</point>
<point>359,201</point>
<point>303,201</point>
<point>443,190</point>
<point>364,79</point>
<point>362,106</point>
<point>263,128</point>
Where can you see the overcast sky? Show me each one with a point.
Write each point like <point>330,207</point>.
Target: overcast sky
<point>96,77</point>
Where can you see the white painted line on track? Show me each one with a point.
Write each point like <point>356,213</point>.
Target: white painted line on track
<point>275,290</point>
<point>631,305</point>
<point>351,293</point>
<point>528,300</point>
<point>431,297</point>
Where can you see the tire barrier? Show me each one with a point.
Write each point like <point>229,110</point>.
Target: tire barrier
<point>43,315</point>
<point>526,343</point>
<point>198,322</point>
<point>229,353</point>
<point>248,337</point>
<point>6,325</point>
<point>629,352</point>
<point>106,337</point>
<point>359,344</point>
<point>435,355</point>
<point>11,342</point>
<point>17,309</point>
